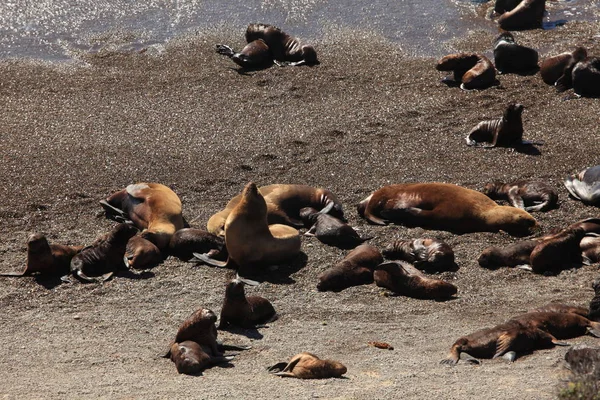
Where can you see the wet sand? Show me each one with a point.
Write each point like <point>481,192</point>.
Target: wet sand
<point>367,116</point>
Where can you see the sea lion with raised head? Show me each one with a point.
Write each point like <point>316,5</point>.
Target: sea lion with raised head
<point>153,208</point>
<point>187,241</point>
<point>424,253</point>
<point>557,70</point>
<point>354,270</point>
<point>512,57</point>
<point>404,279</point>
<point>443,206</point>
<point>561,325</point>
<point>586,77</point>
<point>514,255</point>
<point>329,229</point>
<point>470,70</point>
<point>242,311</point>
<point>46,259</point>
<point>585,185</point>
<point>558,251</point>
<point>142,254</point>
<point>506,131</point>
<point>309,366</point>
<point>564,308</point>
<point>524,194</point>
<point>191,358</point>
<point>528,14</point>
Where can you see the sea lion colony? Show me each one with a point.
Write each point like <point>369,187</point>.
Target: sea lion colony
<point>272,220</point>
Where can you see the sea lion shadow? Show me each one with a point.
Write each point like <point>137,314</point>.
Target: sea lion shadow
<point>281,274</point>
<point>250,333</point>
<point>247,71</point>
<point>48,282</point>
<point>528,149</point>
<point>143,275</point>
<point>553,24</point>
<point>434,269</point>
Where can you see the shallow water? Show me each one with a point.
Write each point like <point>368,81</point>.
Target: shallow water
<point>53,29</point>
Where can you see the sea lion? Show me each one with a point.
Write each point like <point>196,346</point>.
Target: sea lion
<point>256,54</point>
<point>557,70</point>
<point>594,313</point>
<point>443,206</point>
<point>502,6</point>
<point>504,132</point>
<point>528,14</point>
<point>524,194</point>
<point>517,254</point>
<point>512,57</point>
<point>46,259</point>
<point>151,207</point>
<point>586,77</point>
<point>191,358</point>
<point>564,308</point>
<point>354,270</point>
<point>141,254</point>
<point>309,366</point>
<point>424,253</point>
<point>560,325</point>
<point>558,251</point>
<point>590,249</point>
<point>472,70</point>
<point>402,278</point>
<point>251,242</point>
<point>242,311</point>
<point>104,256</point>
<point>284,203</point>
<point>187,241</point>
<point>585,186</point>
<point>329,229</point>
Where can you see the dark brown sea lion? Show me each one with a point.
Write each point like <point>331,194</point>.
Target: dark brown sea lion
<point>509,256</point>
<point>191,358</point>
<point>103,257</point>
<point>524,194</point>
<point>46,259</point>
<point>142,254</point>
<point>256,54</point>
<point>472,70</point>
<point>187,241</point>
<point>502,6</point>
<point>528,14</point>
<point>504,132</point>
<point>153,208</point>
<point>512,57</point>
<point>251,243</point>
<point>329,229</point>
<point>586,77</point>
<point>443,206</point>
<point>402,278</point>
<point>309,366</point>
<point>564,308</point>
<point>590,249</point>
<point>594,313</point>
<point>558,251</point>
<point>585,185</point>
<point>284,203</point>
<point>242,311</point>
<point>355,269</point>
<point>424,253</point>
<point>559,68</point>
<point>560,325</point>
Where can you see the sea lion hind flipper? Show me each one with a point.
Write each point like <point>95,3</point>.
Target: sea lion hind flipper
<point>277,367</point>
<point>594,330</point>
<point>114,213</point>
<point>449,361</point>
<point>375,220</point>
<point>247,281</point>
<point>83,277</point>
<point>224,50</point>
<point>327,208</point>
<point>511,356</point>
<point>285,374</point>
<point>515,199</point>
<point>209,261</point>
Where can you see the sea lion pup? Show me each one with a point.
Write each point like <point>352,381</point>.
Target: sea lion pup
<point>564,308</point>
<point>256,54</point>
<point>472,70</point>
<point>507,340</point>
<point>558,251</point>
<point>424,253</point>
<point>443,206</point>
<point>402,278</point>
<point>309,366</point>
<point>594,314</point>
<point>514,255</point>
<point>284,203</point>
<point>512,57</point>
<point>560,67</point>
<point>330,230</point>
<point>354,270</point>
<point>242,311</point>
<point>524,194</point>
<point>251,242</point>
<point>560,325</point>
<point>153,208</point>
<point>187,241</point>
<point>590,249</point>
<point>585,186</point>
<point>529,14</point>
<point>141,254</point>
<point>191,358</point>
<point>586,77</point>
<point>504,132</point>
<point>46,259</point>
<point>104,256</point>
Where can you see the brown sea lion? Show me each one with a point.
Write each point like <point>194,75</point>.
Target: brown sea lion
<point>329,229</point>
<point>560,325</point>
<point>564,308</point>
<point>472,70</point>
<point>46,259</point>
<point>251,242</point>
<point>256,54</point>
<point>528,14</point>
<point>103,257</point>
<point>242,311</point>
<point>558,251</point>
<point>586,77</point>
<point>590,249</point>
<point>524,194</point>
<point>141,254</point>
<point>503,132</point>
<point>402,278</point>
<point>559,68</point>
<point>355,269</point>
<point>585,185</point>
<point>153,208</point>
<point>187,241</point>
<point>191,358</point>
<point>517,254</point>
<point>424,253</point>
<point>309,366</point>
<point>594,313</point>
<point>284,203</point>
<point>443,206</point>
<point>502,6</point>
<point>512,57</point>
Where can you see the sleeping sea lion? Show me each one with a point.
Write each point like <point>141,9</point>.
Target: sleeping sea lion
<point>309,366</point>
<point>585,186</point>
<point>354,270</point>
<point>586,77</point>
<point>557,70</point>
<point>443,206</point>
<point>558,251</point>
<point>329,229</point>
<point>187,241</point>
<point>524,194</point>
<point>504,132</point>
<point>402,278</point>
<point>560,325</point>
<point>242,311</point>
<point>191,358</point>
<point>512,57</point>
<point>514,255</point>
<point>141,254</point>
<point>46,259</point>
<point>471,70</point>
<point>528,14</point>
<point>564,308</point>
<point>424,253</point>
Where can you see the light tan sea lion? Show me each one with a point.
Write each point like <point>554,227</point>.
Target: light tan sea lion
<point>471,70</point>
<point>309,366</point>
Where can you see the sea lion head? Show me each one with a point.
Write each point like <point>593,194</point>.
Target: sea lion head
<point>491,188</point>
<point>235,289</point>
<point>309,55</point>
<point>252,198</point>
<point>579,54</point>
<point>37,243</point>
<point>514,110</point>
<point>504,37</point>
<point>512,220</point>
<point>362,206</point>
<point>489,258</point>
<point>337,368</point>
<point>208,315</point>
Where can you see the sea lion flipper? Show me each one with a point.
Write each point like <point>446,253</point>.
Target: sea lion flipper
<point>449,361</point>
<point>594,329</point>
<point>327,208</point>
<point>285,374</point>
<point>277,367</point>
<point>564,82</point>
<point>84,277</point>
<point>469,358</point>
<point>225,50</point>
<point>503,344</point>
<point>106,276</point>
<point>247,281</point>
<point>510,356</point>
<point>291,364</point>
<point>515,199</point>
<point>210,261</point>
<point>525,267</point>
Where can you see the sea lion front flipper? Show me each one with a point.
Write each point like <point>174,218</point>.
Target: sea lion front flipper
<point>469,358</point>
<point>511,356</point>
<point>503,344</point>
<point>327,208</point>
<point>106,276</point>
<point>210,261</point>
<point>225,50</point>
<point>564,82</point>
<point>514,198</point>
<point>84,277</point>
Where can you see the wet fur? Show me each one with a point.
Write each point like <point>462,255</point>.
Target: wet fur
<point>512,57</point>
<point>528,14</point>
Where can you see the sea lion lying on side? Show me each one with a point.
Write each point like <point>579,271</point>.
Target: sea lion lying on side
<point>424,253</point>
<point>470,70</point>
<point>191,358</point>
<point>329,229</point>
<point>187,241</point>
<point>524,194</point>
<point>309,366</point>
<point>355,269</point>
<point>402,278</point>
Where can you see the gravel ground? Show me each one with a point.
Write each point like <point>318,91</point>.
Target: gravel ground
<point>367,116</point>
